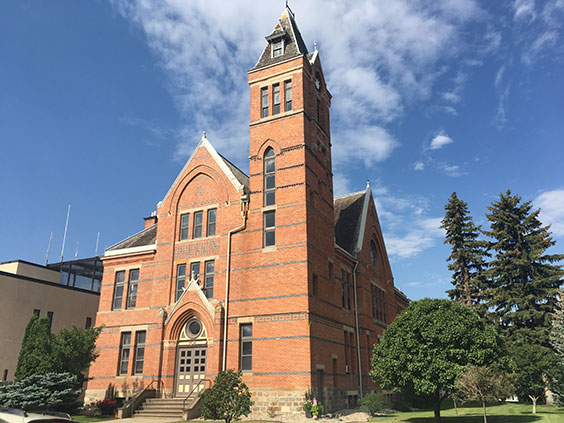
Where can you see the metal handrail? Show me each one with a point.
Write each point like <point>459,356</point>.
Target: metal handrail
<point>160,381</point>
<point>192,391</point>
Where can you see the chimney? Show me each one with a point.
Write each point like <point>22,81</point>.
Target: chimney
<point>151,220</point>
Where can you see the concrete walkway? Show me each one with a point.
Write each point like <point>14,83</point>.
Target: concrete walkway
<point>141,420</point>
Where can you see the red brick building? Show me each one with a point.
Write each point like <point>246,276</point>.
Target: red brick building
<point>267,273</point>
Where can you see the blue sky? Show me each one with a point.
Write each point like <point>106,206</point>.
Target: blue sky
<point>101,103</point>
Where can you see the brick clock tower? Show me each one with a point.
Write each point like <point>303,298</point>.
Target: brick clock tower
<point>266,273</point>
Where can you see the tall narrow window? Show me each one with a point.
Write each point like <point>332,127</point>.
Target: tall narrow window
<point>264,102</point>
<point>139,352</point>
<point>212,218</point>
<point>197,232</point>
<point>132,289</point>
<point>330,272</point>
<point>373,255</point>
<point>50,317</point>
<point>118,290</point>
<point>88,324</point>
<point>269,177</point>
<point>343,289</point>
<point>5,377</point>
<point>275,99</point>
<point>318,107</point>
<point>288,95</point>
<point>314,283</point>
<point>246,347</point>
<point>180,280</point>
<point>269,228</point>
<point>124,349</point>
<point>184,225</point>
<point>348,291</point>
<point>36,312</point>
<point>347,362</point>
<point>194,270</point>
<point>208,278</point>
<point>277,48</point>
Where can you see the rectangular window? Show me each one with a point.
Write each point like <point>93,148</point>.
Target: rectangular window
<point>212,218</point>
<point>288,95</point>
<point>264,101</point>
<point>343,289</point>
<point>5,377</point>
<point>124,349</point>
<point>318,107</point>
<point>334,372</point>
<point>195,270</point>
<point>197,233</point>
<point>275,99</point>
<point>132,288</point>
<point>139,352</point>
<point>208,278</point>
<point>36,312</point>
<point>348,291</point>
<point>180,280</point>
<point>88,324</point>
<point>378,303</point>
<point>184,225</point>
<point>118,290</point>
<point>277,48</point>
<point>314,284</point>
<point>269,228</point>
<point>50,317</point>
<point>347,363</point>
<point>246,347</point>
<point>330,272</point>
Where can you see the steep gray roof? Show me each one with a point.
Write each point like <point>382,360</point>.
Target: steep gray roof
<point>145,237</point>
<point>348,214</point>
<point>238,173</point>
<point>294,45</point>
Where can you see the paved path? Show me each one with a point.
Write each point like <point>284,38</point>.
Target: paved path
<point>141,420</point>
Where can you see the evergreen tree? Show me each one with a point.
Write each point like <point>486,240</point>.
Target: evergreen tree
<point>467,253</point>
<point>36,351</point>
<point>523,278</point>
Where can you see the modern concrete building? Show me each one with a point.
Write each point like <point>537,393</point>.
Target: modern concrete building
<point>67,293</point>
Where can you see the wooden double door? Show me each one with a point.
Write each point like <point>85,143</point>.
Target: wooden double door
<point>190,369</point>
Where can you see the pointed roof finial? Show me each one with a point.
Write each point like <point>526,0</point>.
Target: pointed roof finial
<point>367,184</point>
<point>315,46</point>
<point>204,135</point>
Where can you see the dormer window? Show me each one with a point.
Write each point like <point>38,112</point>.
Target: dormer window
<point>278,48</point>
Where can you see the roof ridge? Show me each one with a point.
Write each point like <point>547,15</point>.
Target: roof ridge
<point>131,236</point>
<point>349,195</point>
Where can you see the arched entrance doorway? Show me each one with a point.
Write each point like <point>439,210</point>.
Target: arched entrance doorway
<point>191,358</point>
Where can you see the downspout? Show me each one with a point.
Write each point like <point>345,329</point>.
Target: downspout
<point>244,211</point>
<point>357,330</point>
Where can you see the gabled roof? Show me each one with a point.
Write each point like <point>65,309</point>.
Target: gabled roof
<point>145,237</point>
<point>348,213</point>
<point>237,177</point>
<point>294,45</point>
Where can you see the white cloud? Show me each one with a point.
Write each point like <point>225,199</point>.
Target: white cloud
<point>551,204</point>
<point>421,235</point>
<point>499,76</point>
<point>367,144</point>
<point>543,41</point>
<point>419,165</point>
<point>439,141</point>
<point>524,10</point>
<point>452,170</point>
<point>501,113</point>
<point>341,184</point>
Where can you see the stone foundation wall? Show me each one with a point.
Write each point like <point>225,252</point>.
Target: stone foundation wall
<point>279,400</point>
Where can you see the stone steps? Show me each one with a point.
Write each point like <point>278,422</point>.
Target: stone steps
<point>163,407</point>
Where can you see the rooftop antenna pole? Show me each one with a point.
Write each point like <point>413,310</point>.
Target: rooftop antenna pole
<point>48,249</point>
<point>65,235</point>
<point>97,241</point>
<point>76,253</point>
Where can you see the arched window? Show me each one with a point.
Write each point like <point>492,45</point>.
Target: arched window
<point>269,177</point>
<point>373,255</point>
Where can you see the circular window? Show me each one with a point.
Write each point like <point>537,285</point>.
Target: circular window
<point>194,328</point>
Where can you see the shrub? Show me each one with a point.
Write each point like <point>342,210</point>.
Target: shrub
<point>107,407</point>
<point>228,399</point>
<point>372,402</point>
<point>51,391</point>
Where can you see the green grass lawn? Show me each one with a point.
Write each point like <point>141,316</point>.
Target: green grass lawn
<point>91,419</point>
<point>506,413</point>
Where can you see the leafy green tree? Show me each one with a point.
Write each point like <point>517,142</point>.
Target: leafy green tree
<point>523,278</point>
<point>228,399</point>
<point>533,363</point>
<point>557,342</point>
<point>74,350</point>
<point>428,346</point>
<point>49,391</point>
<point>484,384</point>
<point>70,351</point>
<point>36,350</point>
<point>467,253</point>
<point>374,402</point>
